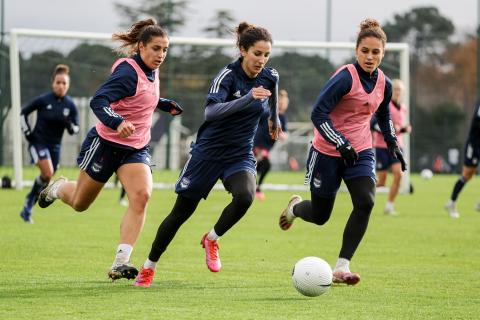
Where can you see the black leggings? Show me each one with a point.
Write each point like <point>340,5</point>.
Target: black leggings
<point>263,167</point>
<point>318,211</point>
<point>242,187</point>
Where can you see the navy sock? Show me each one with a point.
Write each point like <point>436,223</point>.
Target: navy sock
<point>457,188</point>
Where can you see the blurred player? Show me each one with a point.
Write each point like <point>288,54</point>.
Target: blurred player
<point>124,104</point>
<point>237,99</point>
<point>263,142</point>
<point>384,160</point>
<point>342,145</point>
<point>56,112</point>
<point>470,164</point>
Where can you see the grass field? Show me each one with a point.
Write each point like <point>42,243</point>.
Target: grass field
<point>418,265</point>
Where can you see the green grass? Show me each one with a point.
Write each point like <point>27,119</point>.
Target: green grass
<point>418,265</point>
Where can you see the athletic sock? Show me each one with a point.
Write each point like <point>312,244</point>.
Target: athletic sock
<point>149,264</point>
<point>457,188</point>
<point>212,235</point>
<point>343,265</point>
<point>123,254</point>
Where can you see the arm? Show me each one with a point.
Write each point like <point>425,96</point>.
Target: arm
<point>122,83</point>
<point>72,120</point>
<point>215,111</point>
<point>333,91</point>
<point>24,113</point>
<point>169,106</point>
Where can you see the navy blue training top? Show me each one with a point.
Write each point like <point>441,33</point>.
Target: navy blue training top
<point>474,132</point>
<point>262,138</point>
<point>341,84</point>
<point>54,115</point>
<point>231,138</point>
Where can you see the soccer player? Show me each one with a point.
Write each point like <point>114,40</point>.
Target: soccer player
<point>237,99</point>
<point>384,160</point>
<point>124,104</point>
<point>263,142</point>
<point>342,145</point>
<point>471,157</point>
<point>56,112</point>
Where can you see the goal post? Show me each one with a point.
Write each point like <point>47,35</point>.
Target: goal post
<point>16,135</point>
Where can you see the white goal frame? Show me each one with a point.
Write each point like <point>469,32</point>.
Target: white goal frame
<point>402,48</point>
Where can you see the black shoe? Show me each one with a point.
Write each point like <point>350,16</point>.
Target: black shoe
<point>44,198</point>
<point>125,271</point>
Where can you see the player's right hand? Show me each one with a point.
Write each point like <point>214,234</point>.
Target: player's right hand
<point>349,155</point>
<point>125,129</point>
<point>260,93</point>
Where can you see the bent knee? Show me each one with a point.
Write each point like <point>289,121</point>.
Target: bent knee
<point>140,198</point>
<point>80,207</point>
<point>244,199</point>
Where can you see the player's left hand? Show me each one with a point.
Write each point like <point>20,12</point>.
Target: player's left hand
<point>176,108</point>
<point>396,153</point>
<point>274,129</point>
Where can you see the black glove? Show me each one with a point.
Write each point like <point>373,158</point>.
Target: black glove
<point>396,153</point>
<point>169,106</point>
<point>30,137</point>
<point>349,155</point>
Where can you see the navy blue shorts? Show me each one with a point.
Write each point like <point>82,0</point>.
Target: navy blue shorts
<point>325,173</point>
<point>40,151</point>
<point>384,159</point>
<point>198,176</point>
<point>100,160</point>
<point>471,155</point>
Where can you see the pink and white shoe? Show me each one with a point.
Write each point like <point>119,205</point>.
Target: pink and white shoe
<point>211,254</point>
<point>144,278</point>
<point>348,278</point>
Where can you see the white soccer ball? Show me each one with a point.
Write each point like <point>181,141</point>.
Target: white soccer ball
<point>312,276</point>
<point>426,174</point>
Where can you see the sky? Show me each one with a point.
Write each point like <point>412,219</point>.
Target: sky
<point>287,20</point>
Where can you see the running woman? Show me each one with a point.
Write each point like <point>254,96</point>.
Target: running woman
<point>342,145</point>
<point>237,99</point>
<point>124,104</point>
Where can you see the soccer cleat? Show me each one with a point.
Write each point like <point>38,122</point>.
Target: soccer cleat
<point>259,195</point>
<point>285,221</point>
<point>348,278</point>
<point>119,271</point>
<point>145,277</point>
<point>46,195</point>
<point>211,254</point>
<point>452,209</point>
<point>26,215</point>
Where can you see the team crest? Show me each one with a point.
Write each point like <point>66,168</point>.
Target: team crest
<point>184,183</point>
<point>66,112</point>
<point>317,183</point>
<point>96,167</point>
<point>237,94</point>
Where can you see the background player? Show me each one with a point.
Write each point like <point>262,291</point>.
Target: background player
<point>471,157</point>
<point>384,160</point>
<point>56,112</point>
<point>263,142</point>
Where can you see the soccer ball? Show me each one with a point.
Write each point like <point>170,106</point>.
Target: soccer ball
<point>426,174</point>
<point>312,276</point>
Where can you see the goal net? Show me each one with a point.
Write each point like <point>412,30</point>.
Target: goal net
<point>304,66</point>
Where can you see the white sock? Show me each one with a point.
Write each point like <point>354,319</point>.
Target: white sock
<point>212,235</point>
<point>343,265</point>
<point>149,264</point>
<point>290,214</point>
<point>54,191</point>
<point>123,254</point>
<point>389,205</point>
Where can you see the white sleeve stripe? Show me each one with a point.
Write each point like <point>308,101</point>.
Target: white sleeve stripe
<point>218,81</point>
<point>331,134</point>
<point>214,82</point>
<point>392,128</point>
<point>110,112</point>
